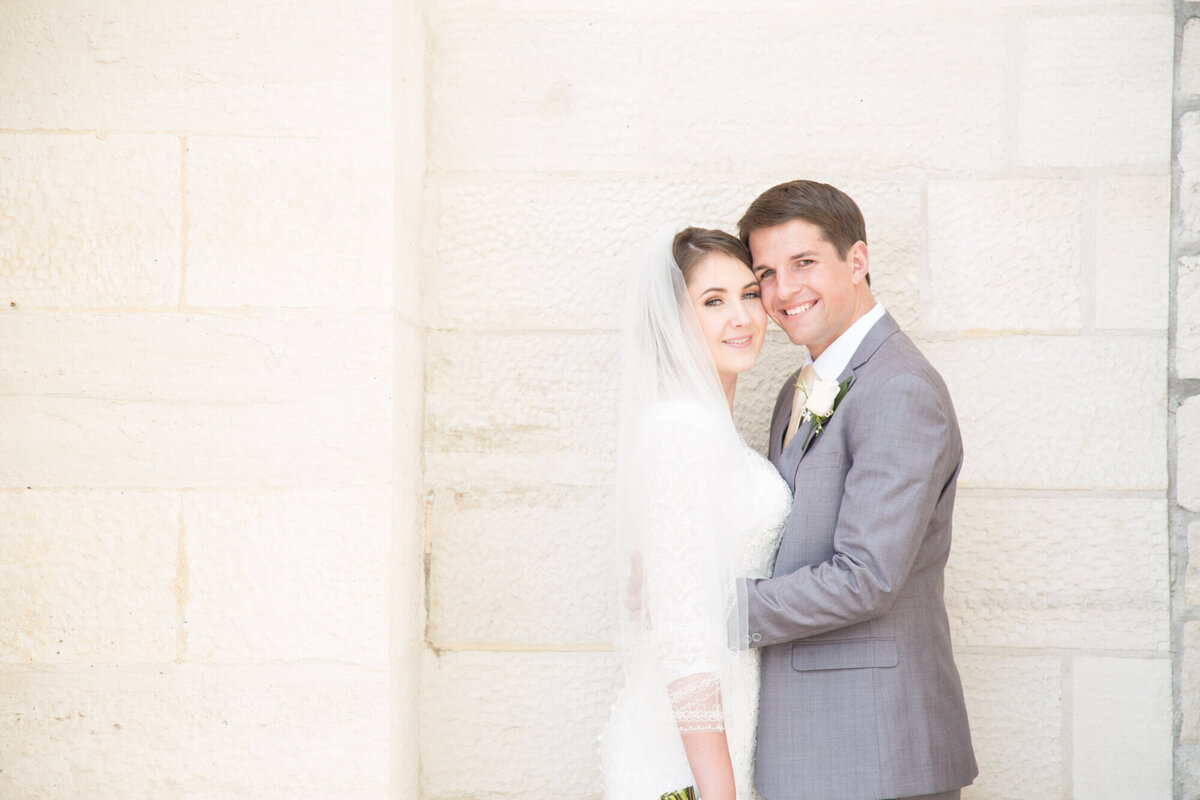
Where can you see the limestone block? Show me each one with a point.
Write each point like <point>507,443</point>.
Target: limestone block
<point>1121,732</point>
<point>541,94</point>
<point>310,225</point>
<point>1189,685</point>
<point>1187,318</point>
<point>520,409</point>
<point>297,730</point>
<point>176,65</point>
<point>511,255</point>
<point>1189,58</point>
<point>533,565</point>
<point>1096,90</point>
<point>195,400</point>
<point>1059,571</point>
<point>88,576</point>
<point>1024,426</point>
<point>514,725</point>
<point>1187,444</point>
<point>89,221</point>
<point>288,575</point>
<point>1005,254</point>
<point>1015,706</point>
<point>1133,265</point>
<point>777,90</point>
<point>1192,574</point>
<point>1189,175</point>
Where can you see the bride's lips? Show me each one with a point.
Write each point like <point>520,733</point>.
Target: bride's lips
<point>743,341</point>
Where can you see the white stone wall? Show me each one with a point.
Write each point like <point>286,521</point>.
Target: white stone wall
<point>1185,403</point>
<point>210,578</point>
<point>1013,162</point>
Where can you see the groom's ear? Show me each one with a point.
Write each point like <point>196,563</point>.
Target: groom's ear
<point>860,262</point>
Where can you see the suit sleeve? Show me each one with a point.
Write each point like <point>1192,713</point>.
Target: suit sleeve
<point>903,456</point>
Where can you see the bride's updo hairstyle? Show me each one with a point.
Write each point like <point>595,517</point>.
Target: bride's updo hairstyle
<point>691,245</point>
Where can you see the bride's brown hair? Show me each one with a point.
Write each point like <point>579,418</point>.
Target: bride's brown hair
<point>691,245</point>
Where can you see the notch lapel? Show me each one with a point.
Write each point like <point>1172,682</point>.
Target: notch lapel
<point>880,332</point>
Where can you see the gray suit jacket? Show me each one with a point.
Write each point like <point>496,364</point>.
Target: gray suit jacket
<point>860,696</point>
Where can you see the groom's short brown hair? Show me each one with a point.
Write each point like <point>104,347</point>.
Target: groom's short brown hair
<point>825,206</point>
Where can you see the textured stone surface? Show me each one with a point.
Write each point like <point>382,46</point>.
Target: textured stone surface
<point>520,409</point>
<point>194,400</point>
<point>1121,732</point>
<point>526,723</point>
<point>88,576</point>
<point>88,221</point>
<point>1024,426</point>
<point>288,575</point>
<point>497,100</point>
<point>592,78</point>
<point>1189,62</point>
<point>310,226</point>
<point>791,93</point>
<point>1188,219</point>
<point>827,116</point>
<point>1189,685</point>
<point>557,583</point>
<point>1192,575</point>
<point>151,65</point>
<point>1082,107</point>
<point>1187,318</point>
<point>1133,267</point>
<point>303,731</point>
<point>1059,572</point>
<point>1005,254</point>
<point>1187,443</point>
<point>513,254</point>
<point>1015,706</point>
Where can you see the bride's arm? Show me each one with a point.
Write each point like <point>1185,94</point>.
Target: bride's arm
<point>696,700</point>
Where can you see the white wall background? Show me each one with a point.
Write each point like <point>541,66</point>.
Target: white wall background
<point>237,347</point>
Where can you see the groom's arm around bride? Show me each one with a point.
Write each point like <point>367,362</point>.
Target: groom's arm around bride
<point>860,695</point>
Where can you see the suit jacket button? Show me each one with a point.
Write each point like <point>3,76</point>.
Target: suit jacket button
<point>756,637</point>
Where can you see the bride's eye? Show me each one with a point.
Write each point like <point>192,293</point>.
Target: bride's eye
<point>713,301</point>
<point>753,294</point>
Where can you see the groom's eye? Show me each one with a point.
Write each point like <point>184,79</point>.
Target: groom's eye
<point>766,273</point>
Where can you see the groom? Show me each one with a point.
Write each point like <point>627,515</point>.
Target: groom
<point>860,697</point>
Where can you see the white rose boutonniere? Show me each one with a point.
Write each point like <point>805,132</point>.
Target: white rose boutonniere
<point>820,401</point>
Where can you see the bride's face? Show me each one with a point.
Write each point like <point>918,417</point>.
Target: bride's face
<point>725,294</point>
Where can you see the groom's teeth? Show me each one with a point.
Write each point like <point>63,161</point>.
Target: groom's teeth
<point>798,309</point>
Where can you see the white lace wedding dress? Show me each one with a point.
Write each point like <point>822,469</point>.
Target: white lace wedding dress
<point>642,754</point>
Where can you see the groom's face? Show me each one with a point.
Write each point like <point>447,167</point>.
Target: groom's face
<point>807,287</point>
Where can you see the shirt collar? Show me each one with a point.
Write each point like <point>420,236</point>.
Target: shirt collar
<point>833,360</point>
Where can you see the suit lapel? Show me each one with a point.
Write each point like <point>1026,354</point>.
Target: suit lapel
<point>783,412</point>
<point>876,336</point>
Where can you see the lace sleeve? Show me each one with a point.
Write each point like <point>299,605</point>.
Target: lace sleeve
<point>683,571</point>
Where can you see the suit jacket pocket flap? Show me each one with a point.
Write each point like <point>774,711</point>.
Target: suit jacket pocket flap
<point>844,654</point>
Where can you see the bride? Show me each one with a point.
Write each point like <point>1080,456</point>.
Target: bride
<point>699,507</point>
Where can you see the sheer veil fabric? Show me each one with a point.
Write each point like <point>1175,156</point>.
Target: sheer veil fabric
<point>677,490</point>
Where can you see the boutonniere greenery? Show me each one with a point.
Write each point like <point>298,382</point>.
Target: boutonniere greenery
<point>820,401</point>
